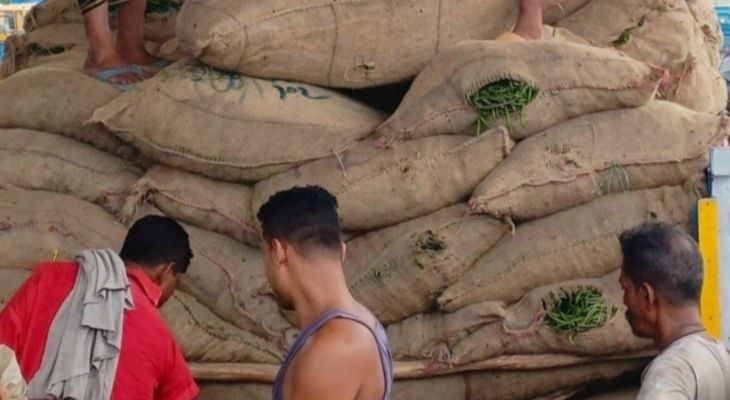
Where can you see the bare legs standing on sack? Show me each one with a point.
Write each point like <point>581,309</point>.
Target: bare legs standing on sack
<point>121,61</point>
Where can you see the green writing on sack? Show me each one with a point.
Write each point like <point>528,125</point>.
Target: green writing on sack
<point>289,88</point>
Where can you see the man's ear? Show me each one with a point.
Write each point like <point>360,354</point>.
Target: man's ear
<point>647,294</point>
<point>280,251</point>
<point>344,252</point>
<point>161,271</point>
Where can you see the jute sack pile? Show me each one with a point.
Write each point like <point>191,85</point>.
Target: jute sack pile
<point>378,187</point>
<point>223,125</point>
<point>44,161</point>
<point>406,277</point>
<point>550,383</point>
<point>565,80</point>
<point>525,327</point>
<point>228,278</point>
<point>661,144</point>
<point>60,44</point>
<point>349,44</point>
<point>52,11</point>
<point>65,103</point>
<point>10,280</point>
<point>431,336</point>
<point>661,33</point>
<point>159,24</point>
<point>210,204</point>
<point>39,226</point>
<point>706,19</point>
<point>234,391</point>
<point>204,337</point>
<point>580,242</point>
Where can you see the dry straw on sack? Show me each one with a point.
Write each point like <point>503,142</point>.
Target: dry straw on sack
<point>661,144</point>
<point>231,127</point>
<point>581,242</point>
<point>538,85</point>
<point>350,43</point>
<point>378,187</point>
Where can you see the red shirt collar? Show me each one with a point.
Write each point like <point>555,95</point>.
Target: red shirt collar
<point>149,288</point>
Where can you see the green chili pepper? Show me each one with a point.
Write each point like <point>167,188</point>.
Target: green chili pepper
<point>501,99</point>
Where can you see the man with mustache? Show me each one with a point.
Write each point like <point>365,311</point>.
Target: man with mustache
<point>662,277</point>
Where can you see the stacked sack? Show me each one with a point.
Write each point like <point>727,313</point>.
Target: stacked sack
<point>481,217</point>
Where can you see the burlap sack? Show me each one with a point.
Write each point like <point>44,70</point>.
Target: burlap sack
<point>59,44</point>
<point>431,336</point>
<point>234,391</point>
<point>44,161</point>
<point>571,80</point>
<point>10,281</point>
<point>406,277</point>
<point>218,206</point>
<point>229,278</point>
<point>223,125</point>
<point>705,16</point>
<point>38,226</point>
<point>581,242</point>
<point>60,101</point>
<point>523,329</point>
<point>350,44</point>
<point>452,387</point>
<point>379,187</point>
<point>661,33</point>
<point>159,24</point>
<point>204,337</point>
<point>661,144</point>
<point>658,32</point>
<point>552,383</point>
<point>52,11</point>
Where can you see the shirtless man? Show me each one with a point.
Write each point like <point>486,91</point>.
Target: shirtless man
<point>342,352</point>
<point>662,279</point>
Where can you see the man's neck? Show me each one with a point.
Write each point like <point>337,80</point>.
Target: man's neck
<point>676,323</point>
<point>322,293</point>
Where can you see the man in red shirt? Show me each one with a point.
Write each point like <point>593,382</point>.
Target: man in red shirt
<point>156,252</point>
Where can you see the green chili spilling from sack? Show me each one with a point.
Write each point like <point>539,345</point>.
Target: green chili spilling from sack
<point>501,99</point>
<point>578,311</point>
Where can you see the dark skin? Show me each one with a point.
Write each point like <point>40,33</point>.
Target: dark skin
<point>651,315</point>
<point>341,360</point>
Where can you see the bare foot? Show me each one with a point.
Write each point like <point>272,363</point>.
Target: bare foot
<point>529,21</point>
<point>95,65</point>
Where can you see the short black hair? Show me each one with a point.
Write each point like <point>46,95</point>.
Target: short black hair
<point>306,217</point>
<point>155,240</point>
<point>667,258</point>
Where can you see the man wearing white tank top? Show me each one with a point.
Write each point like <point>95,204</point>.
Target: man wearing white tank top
<point>342,352</point>
<point>662,277</point>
